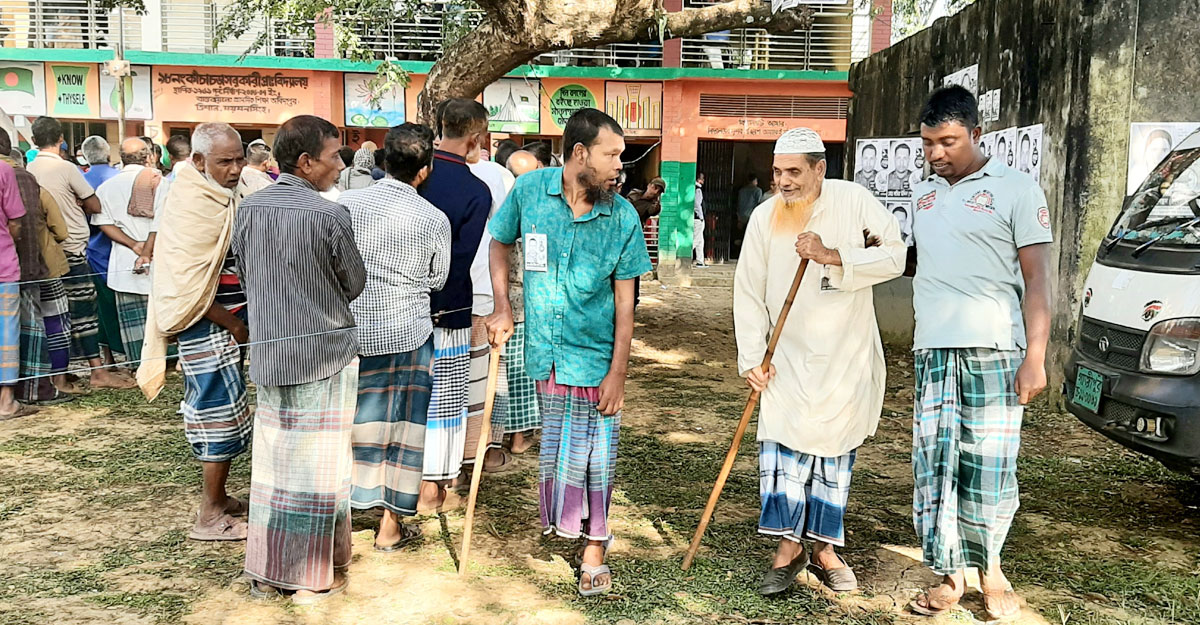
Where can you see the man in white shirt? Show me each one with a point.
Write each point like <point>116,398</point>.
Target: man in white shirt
<point>698,222</point>
<point>254,174</point>
<point>823,393</point>
<point>126,216</point>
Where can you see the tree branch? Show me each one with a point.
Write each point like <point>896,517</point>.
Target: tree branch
<point>737,14</point>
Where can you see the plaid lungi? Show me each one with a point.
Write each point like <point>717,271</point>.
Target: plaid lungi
<point>446,426</point>
<point>299,526</point>
<point>81,294</point>
<point>516,395</point>
<point>481,351</point>
<point>803,496</point>
<point>131,315</point>
<point>56,321</point>
<point>578,461</point>
<point>10,332</point>
<point>966,435</point>
<point>389,429</point>
<point>35,359</point>
<point>216,415</point>
<point>106,310</point>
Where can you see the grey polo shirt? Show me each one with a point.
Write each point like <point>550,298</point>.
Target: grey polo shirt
<point>968,287</point>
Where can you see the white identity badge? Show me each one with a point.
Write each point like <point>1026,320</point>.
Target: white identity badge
<point>535,251</point>
<point>826,285</point>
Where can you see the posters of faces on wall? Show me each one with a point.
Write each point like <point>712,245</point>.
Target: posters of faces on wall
<point>890,168</point>
<point>1149,144</point>
<point>1029,151</point>
<point>967,77</point>
<point>989,106</point>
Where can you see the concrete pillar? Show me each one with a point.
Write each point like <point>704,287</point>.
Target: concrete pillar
<point>679,171</point>
<point>673,48</point>
<point>881,25</point>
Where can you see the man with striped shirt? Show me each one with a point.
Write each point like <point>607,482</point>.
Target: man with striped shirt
<point>300,268</point>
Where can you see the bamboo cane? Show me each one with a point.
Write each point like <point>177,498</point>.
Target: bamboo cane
<point>485,433</point>
<point>746,414</point>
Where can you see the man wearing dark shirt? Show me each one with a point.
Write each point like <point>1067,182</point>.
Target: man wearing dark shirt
<point>466,201</point>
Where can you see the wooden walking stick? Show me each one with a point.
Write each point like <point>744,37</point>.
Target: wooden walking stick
<point>745,422</point>
<point>485,433</point>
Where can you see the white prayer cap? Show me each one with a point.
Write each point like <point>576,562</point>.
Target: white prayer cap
<point>800,141</point>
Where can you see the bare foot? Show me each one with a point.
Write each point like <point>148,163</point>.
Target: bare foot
<point>16,409</point>
<point>432,497</point>
<point>308,597</point>
<point>103,378</point>
<point>521,443</point>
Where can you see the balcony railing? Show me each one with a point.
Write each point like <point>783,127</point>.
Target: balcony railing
<point>190,26</point>
<point>69,24</point>
<point>825,46</point>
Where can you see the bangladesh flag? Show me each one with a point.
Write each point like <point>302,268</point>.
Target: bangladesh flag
<point>16,79</point>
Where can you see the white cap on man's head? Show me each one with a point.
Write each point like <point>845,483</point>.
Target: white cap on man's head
<point>800,141</point>
<point>258,142</point>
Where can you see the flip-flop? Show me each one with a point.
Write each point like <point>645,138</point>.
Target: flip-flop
<point>318,597</point>
<point>1001,617</point>
<point>23,410</point>
<point>271,592</point>
<point>837,580</point>
<point>593,572</point>
<point>227,529</point>
<point>408,535</point>
<point>509,463</point>
<point>929,609</point>
<point>780,578</point>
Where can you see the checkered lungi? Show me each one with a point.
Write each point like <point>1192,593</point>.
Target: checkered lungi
<point>389,429</point>
<point>299,525</point>
<point>966,435</point>
<point>35,360</point>
<point>481,351</point>
<point>578,461</point>
<point>803,496</point>
<point>56,321</point>
<point>81,295</point>
<point>131,317</point>
<point>446,426</point>
<point>516,393</point>
<point>216,415</point>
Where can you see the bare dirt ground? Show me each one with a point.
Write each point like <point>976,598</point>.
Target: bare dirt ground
<point>96,498</point>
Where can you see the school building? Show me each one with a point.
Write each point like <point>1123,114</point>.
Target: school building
<point>713,104</point>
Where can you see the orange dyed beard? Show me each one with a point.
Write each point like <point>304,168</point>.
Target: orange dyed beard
<point>791,216</point>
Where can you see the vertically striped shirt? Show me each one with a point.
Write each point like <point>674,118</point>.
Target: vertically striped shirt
<point>405,243</point>
<point>300,270</point>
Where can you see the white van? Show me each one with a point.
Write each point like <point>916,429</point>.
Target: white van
<point>1134,375</point>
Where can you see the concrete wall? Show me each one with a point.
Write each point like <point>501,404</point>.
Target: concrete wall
<point>1085,70</point>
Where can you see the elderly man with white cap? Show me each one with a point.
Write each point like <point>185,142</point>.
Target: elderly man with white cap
<point>823,393</point>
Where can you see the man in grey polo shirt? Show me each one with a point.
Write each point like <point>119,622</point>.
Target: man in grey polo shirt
<point>982,230</point>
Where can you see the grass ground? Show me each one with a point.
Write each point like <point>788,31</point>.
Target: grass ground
<point>96,498</point>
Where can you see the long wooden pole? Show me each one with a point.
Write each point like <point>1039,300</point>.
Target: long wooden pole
<point>485,433</point>
<point>745,422</point>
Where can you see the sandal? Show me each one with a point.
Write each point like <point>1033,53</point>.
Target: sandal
<point>780,578</point>
<point>226,529</point>
<point>931,599</point>
<point>508,463</point>
<point>593,572</point>
<point>240,509</point>
<point>837,580</point>
<point>408,535</point>
<point>318,597</point>
<point>261,591</point>
<point>1006,615</point>
<point>23,410</point>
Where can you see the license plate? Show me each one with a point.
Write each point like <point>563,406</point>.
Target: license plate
<point>1088,385</point>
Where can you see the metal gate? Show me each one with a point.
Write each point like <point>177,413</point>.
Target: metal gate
<point>715,160</point>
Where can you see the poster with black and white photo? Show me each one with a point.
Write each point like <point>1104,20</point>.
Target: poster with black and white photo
<point>902,211</point>
<point>1006,146</point>
<point>905,168</point>
<point>987,143</point>
<point>1029,151</point>
<point>967,77</point>
<point>1149,144</point>
<point>989,106</point>
<point>870,163</point>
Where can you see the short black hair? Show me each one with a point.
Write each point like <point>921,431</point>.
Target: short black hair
<point>379,156</point>
<point>584,126</point>
<point>302,134</point>
<point>47,132</point>
<point>753,176</point>
<point>871,147</point>
<point>901,209</point>
<point>5,143</point>
<point>459,117</point>
<point>540,150</point>
<point>504,149</point>
<point>951,104</point>
<point>408,148</point>
<point>179,147</point>
<point>905,146</point>
<point>1026,138</point>
<point>347,155</point>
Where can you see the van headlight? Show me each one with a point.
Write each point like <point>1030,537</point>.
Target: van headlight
<point>1173,347</point>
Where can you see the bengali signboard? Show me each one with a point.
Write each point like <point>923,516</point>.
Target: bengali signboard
<point>22,88</point>
<point>561,98</point>
<point>388,112</point>
<point>514,106</point>
<point>186,94</point>
<point>637,106</point>
<point>73,91</point>
<point>138,102</point>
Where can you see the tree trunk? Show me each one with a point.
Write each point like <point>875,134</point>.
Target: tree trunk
<point>514,32</point>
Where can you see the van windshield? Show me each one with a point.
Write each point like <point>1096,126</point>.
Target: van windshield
<point>1167,205</point>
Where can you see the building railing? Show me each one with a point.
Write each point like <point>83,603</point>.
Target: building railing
<point>66,24</point>
<point>827,45</point>
<point>190,26</point>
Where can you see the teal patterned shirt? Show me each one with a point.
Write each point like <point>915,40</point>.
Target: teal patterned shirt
<point>569,308</point>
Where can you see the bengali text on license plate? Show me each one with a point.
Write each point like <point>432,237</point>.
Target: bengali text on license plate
<point>1088,385</point>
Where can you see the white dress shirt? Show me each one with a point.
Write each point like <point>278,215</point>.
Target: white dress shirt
<point>114,196</point>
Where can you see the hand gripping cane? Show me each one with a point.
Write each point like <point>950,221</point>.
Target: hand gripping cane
<point>746,414</point>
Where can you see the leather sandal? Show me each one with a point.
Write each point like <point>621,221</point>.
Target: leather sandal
<point>780,579</point>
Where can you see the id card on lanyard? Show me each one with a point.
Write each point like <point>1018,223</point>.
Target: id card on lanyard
<point>534,248</point>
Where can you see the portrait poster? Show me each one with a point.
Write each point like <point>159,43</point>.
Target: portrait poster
<point>902,211</point>
<point>1006,146</point>
<point>987,143</point>
<point>1029,151</point>
<point>870,163</point>
<point>1149,144</point>
<point>967,77</point>
<point>138,101</point>
<point>514,106</point>
<point>905,166</point>
<point>22,88</point>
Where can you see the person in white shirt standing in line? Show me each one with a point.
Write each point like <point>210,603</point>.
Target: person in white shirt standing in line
<point>823,393</point>
<point>698,222</point>
<point>126,215</point>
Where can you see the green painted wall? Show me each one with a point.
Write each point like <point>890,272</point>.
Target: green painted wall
<point>675,221</point>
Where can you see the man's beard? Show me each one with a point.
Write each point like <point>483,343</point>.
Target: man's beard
<point>792,214</point>
<point>594,192</point>
<point>216,185</point>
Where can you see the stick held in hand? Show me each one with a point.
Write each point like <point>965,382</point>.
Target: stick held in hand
<point>485,433</point>
<point>744,422</point>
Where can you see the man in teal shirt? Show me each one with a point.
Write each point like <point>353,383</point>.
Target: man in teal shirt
<point>583,247</point>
